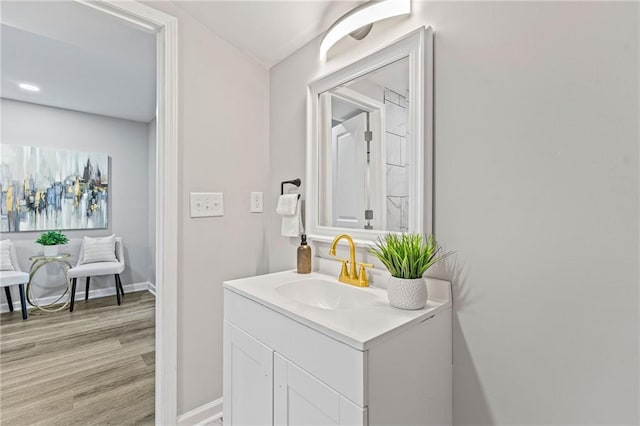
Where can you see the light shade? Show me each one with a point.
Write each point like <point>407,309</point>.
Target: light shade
<point>362,15</point>
<point>29,87</point>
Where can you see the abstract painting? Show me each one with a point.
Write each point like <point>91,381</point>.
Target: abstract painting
<point>44,189</point>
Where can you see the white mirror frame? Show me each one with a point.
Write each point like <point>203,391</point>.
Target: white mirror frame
<point>418,47</point>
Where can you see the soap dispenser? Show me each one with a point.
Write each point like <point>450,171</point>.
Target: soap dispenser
<point>304,256</point>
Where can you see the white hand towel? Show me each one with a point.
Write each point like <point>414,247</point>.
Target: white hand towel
<point>287,204</point>
<point>291,223</point>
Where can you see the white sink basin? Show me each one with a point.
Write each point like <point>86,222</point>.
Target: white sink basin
<point>352,315</point>
<point>323,294</point>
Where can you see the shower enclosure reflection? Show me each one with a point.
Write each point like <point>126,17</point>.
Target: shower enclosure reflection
<point>363,156</point>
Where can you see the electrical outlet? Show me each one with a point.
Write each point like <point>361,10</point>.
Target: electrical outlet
<point>206,204</point>
<point>256,202</point>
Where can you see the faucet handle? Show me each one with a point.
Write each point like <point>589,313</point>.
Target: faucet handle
<point>343,271</point>
<point>364,280</point>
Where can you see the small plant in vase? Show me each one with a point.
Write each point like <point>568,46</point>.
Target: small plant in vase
<point>407,257</point>
<point>50,241</point>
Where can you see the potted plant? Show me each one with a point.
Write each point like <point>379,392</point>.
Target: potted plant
<point>407,257</point>
<point>50,241</point>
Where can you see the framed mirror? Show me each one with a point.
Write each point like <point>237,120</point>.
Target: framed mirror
<point>370,144</point>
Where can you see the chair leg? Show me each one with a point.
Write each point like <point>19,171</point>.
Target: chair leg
<point>117,289</point>
<point>7,292</point>
<point>73,293</point>
<point>120,285</point>
<point>86,289</point>
<point>23,301</point>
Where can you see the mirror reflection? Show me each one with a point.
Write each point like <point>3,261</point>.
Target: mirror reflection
<point>364,167</point>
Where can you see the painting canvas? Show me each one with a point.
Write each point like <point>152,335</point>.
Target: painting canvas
<point>45,189</point>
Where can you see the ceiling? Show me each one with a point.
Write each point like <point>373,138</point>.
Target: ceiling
<point>268,31</point>
<point>82,60</point>
<point>394,76</point>
<point>88,61</point>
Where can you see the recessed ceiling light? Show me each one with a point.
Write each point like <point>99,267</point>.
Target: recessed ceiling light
<point>29,87</point>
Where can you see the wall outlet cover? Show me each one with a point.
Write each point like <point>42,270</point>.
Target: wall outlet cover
<point>256,202</point>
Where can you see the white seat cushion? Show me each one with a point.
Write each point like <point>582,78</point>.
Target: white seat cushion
<point>102,249</point>
<point>95,269</point>
<point>13,278</point>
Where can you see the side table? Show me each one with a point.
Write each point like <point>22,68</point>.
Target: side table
<point>38,262</point>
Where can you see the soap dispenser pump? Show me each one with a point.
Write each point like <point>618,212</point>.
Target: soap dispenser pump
<point>304,256</point>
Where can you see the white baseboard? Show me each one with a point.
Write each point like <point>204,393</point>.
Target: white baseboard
<point>204,415</point>
<point>93,294</point>
<point>152,288</point>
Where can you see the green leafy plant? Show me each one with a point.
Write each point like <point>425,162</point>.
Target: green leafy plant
<point>52,238</point>
<point>408,256</point>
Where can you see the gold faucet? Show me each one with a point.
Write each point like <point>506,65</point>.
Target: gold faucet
<point>350,276</point>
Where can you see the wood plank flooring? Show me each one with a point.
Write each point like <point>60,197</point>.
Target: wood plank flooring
<point>95,365</point>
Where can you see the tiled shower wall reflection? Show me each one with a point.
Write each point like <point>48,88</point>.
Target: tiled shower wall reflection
<point>396,114</point>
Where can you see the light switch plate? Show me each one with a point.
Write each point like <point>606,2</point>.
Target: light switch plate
<point>256,202</point>
<point>206,204</point>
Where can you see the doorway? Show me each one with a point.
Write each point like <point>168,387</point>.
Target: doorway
<point>165,29</point>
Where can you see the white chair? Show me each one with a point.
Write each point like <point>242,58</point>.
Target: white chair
<point>15,277</point>
<point>96,269</point>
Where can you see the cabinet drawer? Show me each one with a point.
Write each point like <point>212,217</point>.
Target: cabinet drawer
<point>339,366</point>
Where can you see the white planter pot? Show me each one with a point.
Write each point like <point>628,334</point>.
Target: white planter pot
<point>407,293</point>
<point>50,250</point>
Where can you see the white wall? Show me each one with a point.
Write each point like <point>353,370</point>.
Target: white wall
<point>224,146</point>
<point>126,144</point>
<point>537,165</point>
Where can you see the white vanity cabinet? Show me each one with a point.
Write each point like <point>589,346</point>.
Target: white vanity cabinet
<point>249,379</point>
<point>283,366</point>
<point>265,388</point>
<point>301,399</point>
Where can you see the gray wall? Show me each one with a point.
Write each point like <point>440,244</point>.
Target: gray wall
<point>536,150</point>
<point>152,200</point>
<point>224,147</point>
<point>126,142</point>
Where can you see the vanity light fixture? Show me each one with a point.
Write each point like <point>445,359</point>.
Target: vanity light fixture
<point>28,87</point>
<point>358,22</point>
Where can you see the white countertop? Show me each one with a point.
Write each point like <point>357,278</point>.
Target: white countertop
<point>360,327</point>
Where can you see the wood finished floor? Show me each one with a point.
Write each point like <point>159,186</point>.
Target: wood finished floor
<point>93,366</point>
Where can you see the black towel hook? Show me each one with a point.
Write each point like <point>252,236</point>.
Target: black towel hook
<point>296,182</point>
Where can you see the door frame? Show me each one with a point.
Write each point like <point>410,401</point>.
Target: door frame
<point>166,29</point>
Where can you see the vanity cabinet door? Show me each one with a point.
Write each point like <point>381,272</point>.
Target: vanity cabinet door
<point>302,400</point>
<point>248,379</point>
